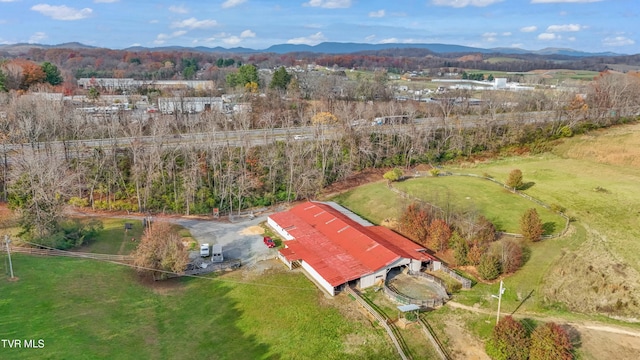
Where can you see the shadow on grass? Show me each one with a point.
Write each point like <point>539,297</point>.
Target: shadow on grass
<point>549,228</point>
<point>107,313</point>
<point>526,186</point>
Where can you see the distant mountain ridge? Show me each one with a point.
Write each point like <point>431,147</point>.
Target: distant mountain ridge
<point>327,48</point>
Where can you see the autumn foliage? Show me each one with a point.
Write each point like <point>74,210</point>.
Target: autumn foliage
<point>549,341</point>
<point>414,222</point>
<point>439,235</point>
<point>160,252</point>
<point>509,340</point>
<point>531,225</point>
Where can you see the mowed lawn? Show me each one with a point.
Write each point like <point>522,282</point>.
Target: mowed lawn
<point>114,239</point>
<point>376,202</point>
<point>85,309</point>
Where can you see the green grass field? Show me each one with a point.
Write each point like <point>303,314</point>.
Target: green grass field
<point>595,268</point>
<point>113,239</point>
<point>85,309</point>
<point>375,202</point>
<point>502,207</point>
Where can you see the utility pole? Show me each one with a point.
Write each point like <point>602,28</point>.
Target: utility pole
<point>7,241</point>
<point>502,289</point>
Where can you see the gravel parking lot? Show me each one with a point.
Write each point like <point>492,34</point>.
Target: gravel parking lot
<point>240,240</point>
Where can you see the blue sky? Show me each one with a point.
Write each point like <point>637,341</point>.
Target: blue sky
<point>587,25</point>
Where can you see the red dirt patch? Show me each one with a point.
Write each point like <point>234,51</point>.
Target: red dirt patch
<point>360,178</point>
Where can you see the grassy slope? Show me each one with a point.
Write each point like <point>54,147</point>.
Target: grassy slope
<point>88,309</point>
<point>596,267</point>
<point>500,206</point>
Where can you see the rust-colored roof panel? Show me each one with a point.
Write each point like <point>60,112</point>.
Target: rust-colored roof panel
<point>339,248</point>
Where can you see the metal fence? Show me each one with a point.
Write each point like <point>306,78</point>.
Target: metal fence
<point>466,283</point>
<point>383,321</point>
<point>47,252</point>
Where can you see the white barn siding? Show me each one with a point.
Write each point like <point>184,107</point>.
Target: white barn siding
<point>319,279</point>
<point>282,232</point>
<point>371,279</point>
<point>415,265</point>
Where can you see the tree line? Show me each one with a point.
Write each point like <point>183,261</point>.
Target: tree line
<point>188,178</point>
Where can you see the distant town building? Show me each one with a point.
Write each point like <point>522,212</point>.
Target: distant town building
<point>189,105</point>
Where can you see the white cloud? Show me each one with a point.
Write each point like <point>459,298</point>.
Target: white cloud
<point>162,38</point>
<point>154,21</point>
<point>370,38</point>
<point>37,37</point>
<point>247,34</point>
<point>566,27</point>
<point>314,39</point>
<point>490,36</point>
<point>571,38</point>
<point>232,40</point>
<point>508,33</point>
<point>178,9</point>
<point>562,1</point>
<point>193,23</point>
<point>464,3</point>
<point>389,41</point>
<point>529,28</point>
<point>617,41</point>
<point>377,14</point>
<point>62,12</point>
<point>231,3</point>
<point>547,36</point>
<point>329,4</point>
<point>135,44</point>
<point>8,0</point>
<point>105,1</point>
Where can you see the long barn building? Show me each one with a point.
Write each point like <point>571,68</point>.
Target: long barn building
<point>337,248</point>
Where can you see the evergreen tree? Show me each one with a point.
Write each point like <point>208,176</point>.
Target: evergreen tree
<point>489,267</point>
<point>3,80</point>
<point>281,79</point>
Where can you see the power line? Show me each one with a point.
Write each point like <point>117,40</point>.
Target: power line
<point>173,273</point>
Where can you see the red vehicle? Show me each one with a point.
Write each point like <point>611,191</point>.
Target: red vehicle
<point>269,242</point>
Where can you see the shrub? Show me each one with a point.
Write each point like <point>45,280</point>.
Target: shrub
<point>489,267</point>
<point>434,172</point>
<point>512,257</point>
<point>393,175</point>
<point>549,341</point>
<point>509,340</point>
<point>78,201</point>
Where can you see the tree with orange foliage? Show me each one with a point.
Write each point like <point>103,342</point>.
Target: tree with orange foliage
<point>414,222</point>
<point>32,74</point>
<point>439,235</point>
<point>160,252</point>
